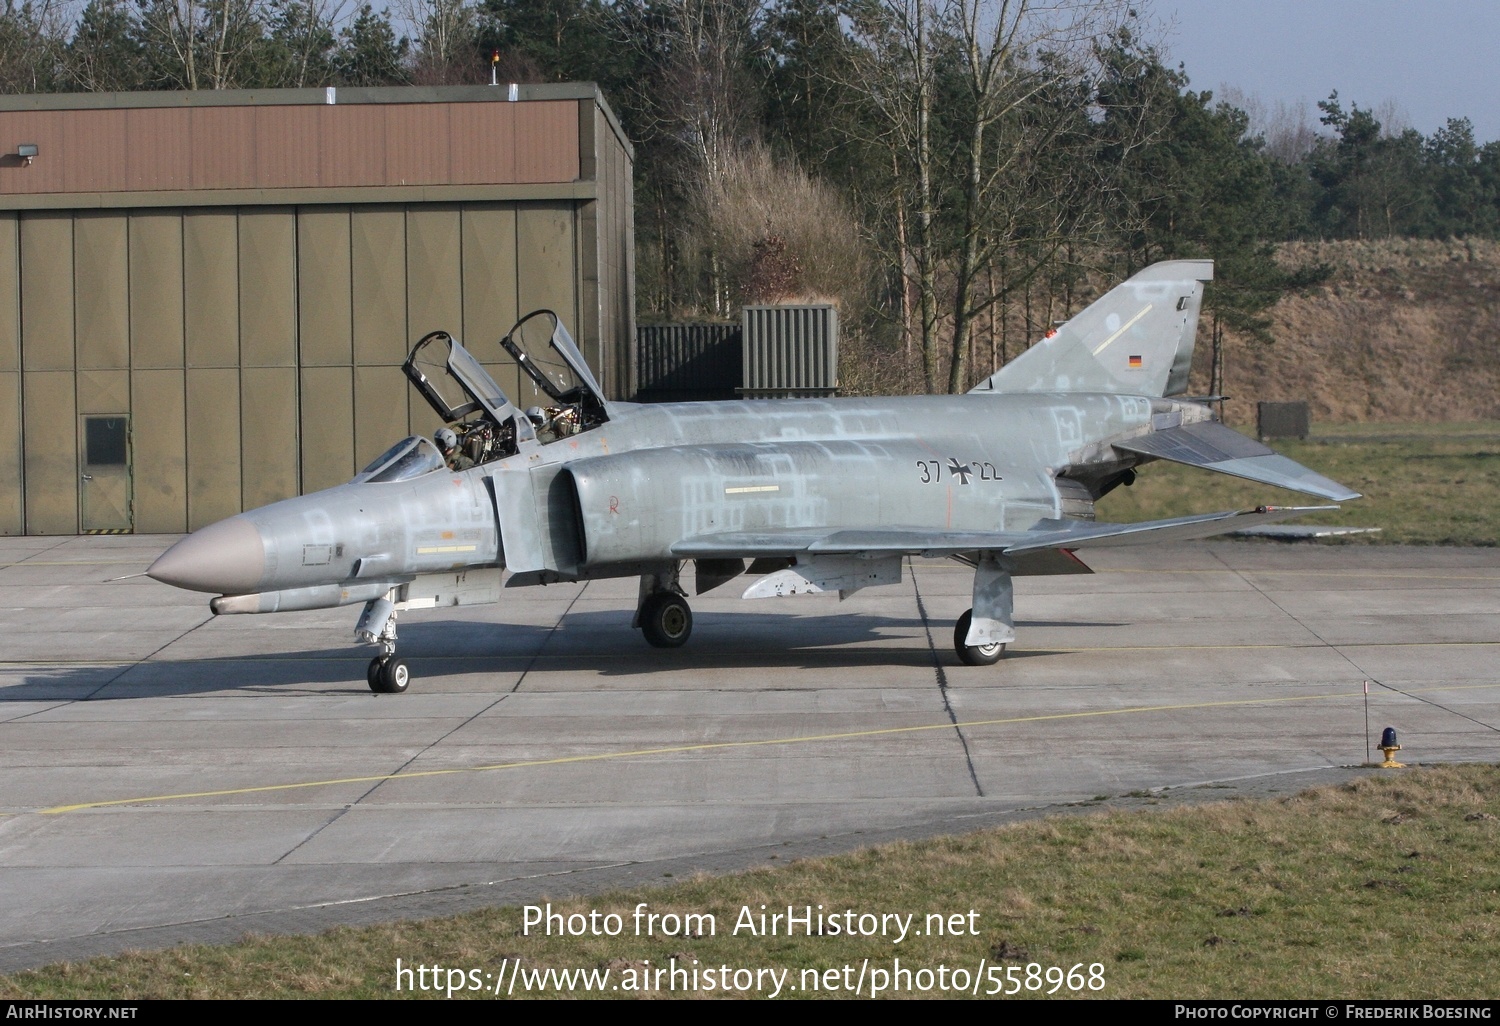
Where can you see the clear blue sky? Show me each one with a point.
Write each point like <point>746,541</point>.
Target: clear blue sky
<point>1436,58</point>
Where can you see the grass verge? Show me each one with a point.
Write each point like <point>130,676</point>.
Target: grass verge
<point>1384,887</point>
<point>1423,484</point>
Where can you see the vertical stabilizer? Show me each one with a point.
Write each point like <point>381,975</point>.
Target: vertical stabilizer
<point>1137,339</point>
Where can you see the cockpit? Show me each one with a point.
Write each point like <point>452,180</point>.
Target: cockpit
<point>408,458</point>
<point>486,424</point>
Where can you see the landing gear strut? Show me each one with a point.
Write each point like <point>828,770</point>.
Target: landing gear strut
<point>386,674</point>
<point>981,634</point>
<point>663,616</point>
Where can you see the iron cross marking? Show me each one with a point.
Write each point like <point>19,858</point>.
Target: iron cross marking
<point>959,470</point>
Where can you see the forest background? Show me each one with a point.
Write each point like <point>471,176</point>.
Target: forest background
<point>956,175</point>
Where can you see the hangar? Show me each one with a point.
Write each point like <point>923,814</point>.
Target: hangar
<point>205,297</point>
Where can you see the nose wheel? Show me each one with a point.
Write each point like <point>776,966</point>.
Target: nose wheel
<point>388,675</point>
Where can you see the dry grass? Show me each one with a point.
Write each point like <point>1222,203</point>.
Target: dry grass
<point>1404,330</point>
<point>1387,887</point>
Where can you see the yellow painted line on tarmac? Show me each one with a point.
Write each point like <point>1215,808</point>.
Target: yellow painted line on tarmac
<point>725,745</point>
<point>1405,575</point>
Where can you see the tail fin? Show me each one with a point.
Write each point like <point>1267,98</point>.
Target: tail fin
<point>1135,340</point>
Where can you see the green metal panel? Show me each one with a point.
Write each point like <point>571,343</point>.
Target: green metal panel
<point>489,280</point>
<point>11,521</point>
<point>324,309</point>
<point>155,297</point>
<point>433,271</point>
<point>213,445</point>
<point>546,266</point>
<point>159,444</point>
<point>10,293</point>
<point>589,334</point>
<point>421,420</point>
<point>211,290</point>
<point>50,436</point>
<point>268,434</point>
<point>101,285</point>
<point>327,427</point>
<point>377,249</point>
<point>268,289</point>
<point>103,391</point>
<point>380,396</point>
<point>47,295</point>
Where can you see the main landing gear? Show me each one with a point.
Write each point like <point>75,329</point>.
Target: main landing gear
<point>663,614</point>
<point>386,675</point>
<point>981,634</point>
<point>974,655</point>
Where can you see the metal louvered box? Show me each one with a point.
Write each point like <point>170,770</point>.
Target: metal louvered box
<point>790,351</point>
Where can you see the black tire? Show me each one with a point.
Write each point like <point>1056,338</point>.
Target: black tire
<point>372,675</point>
<point>394,676</point>
<point>666,620</point>
<point>974,655</point>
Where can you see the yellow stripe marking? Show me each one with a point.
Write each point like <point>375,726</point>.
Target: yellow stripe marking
<point>1123,329</point>
<point>424,550</point>
<point>747,489</point>
<point>724,745</point>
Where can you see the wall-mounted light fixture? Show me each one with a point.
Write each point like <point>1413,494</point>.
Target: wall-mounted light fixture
<point>28,152</point>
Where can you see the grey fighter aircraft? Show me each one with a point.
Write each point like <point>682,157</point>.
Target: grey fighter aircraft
<point>803,495</point>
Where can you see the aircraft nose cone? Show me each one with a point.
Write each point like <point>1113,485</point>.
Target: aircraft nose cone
<point>227,558</point>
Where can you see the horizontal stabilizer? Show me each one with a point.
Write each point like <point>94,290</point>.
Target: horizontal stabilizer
<point>1213,446</point>
<point>1078,534</point>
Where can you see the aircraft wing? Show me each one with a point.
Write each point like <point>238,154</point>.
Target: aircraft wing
<point>1213,446</point>
<point>1046,535</point>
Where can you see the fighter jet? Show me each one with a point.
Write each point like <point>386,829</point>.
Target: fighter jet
<point>800,495</point>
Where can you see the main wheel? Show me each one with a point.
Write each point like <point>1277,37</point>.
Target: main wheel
<point>974,655</point>
<point>372,675</point>
<point>393,676</point>
<point>666,620</point>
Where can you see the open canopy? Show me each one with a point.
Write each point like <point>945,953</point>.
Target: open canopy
<point>547,354</point>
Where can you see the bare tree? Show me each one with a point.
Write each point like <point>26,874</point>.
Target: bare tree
<point>1018,79</point>
<point>31,41</point>
<point>444,31</point>
<point>894,70</point>
<point>302,41</point>
<point>202,44</point>
<point>705,105</point>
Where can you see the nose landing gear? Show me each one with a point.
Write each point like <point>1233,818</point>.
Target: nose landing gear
<point>386,674</point>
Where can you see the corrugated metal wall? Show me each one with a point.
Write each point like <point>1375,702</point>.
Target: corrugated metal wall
<point>688,362</point>
<point>256,350</point>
